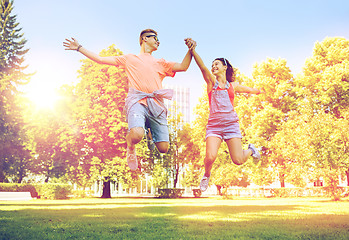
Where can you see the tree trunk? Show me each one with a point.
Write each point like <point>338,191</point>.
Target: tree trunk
<point>175,177</point>
<point>2,176</point>
<point>21,173</point>
<point>219,188</point>
<point>106,190</point>
<point>47,178</point>
<point>48,173</point>
<point>282,179</point>
<point>20,178</point>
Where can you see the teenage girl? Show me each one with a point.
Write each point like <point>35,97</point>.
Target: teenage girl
<point>223,122</point>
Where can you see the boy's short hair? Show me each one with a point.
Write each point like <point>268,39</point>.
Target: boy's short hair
<point>144,32</point>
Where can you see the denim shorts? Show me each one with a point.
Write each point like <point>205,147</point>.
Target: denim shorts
<point>139,116</point>
<point>223,126</point>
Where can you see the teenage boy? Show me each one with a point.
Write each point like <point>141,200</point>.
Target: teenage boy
<point>144,103</point>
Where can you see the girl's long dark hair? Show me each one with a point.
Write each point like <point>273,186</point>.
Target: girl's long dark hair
<point>230,75</point>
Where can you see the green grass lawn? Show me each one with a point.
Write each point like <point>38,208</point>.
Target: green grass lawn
<point>186,218</point>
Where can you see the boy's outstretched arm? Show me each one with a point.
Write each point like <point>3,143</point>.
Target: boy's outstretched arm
<point>73,44</point>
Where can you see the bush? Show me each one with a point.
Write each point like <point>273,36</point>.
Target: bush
<point>80,193</point>
<point>170,192</point>
<point>197,193</point>
<point>19,187</point>
<point>54,190</point>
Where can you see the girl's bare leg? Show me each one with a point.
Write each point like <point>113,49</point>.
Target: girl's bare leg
<point>237,154</point>
<point>212,146</point>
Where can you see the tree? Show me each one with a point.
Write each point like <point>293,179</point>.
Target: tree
<point>191,155</point>
<point>227,175</point>
<point>324,86</point>
<point>173,159</point>
<point>160,177</point>
<point>43,129</point>
<point>261,116</point>
<point>318,147</point>
<point>98,114</point>
<point>325,80</point>
<point>12,137</point>
<point>196,140</point>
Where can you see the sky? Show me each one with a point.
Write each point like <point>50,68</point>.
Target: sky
<point>246,32</point>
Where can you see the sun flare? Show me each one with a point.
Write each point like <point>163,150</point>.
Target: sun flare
<point>42,95</point>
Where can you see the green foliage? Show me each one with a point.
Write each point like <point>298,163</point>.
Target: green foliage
<point>44,129</point>
<point>53,190</point>
<point>170,192</point>
<point>325,79</point>
<point>229,175</point>
<point>81,193</point>
<point>197,193</point>
<point>97,128</point>
<point>13,153</point>
<point>313,142</point>
<point>11,43</point>
<point>183,150</point>
<point>43,191</point>
<point>160,177</point>
<point>193,175</point>
<point>299,121</point>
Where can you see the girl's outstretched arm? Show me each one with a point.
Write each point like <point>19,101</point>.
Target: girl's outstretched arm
<point>209,78</point>
<point>244,89</point>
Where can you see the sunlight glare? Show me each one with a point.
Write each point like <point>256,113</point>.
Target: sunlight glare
<point>42,94</point>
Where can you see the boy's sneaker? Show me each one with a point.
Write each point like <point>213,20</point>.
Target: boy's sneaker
<point>204,183</point>
<point>132,159</point>
<point>150,142</point>
<point>255,152</point>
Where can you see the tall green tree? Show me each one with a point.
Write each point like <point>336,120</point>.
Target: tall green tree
<point>262,115</point>
<point>324,83</point>
<point>98,114</point>
<point>197,134</point>
<point>312,140</point>
<point>324,86</point>
<point>12,150</point>
<point>191,154</point>
<point>183,152</point>
<point>173,161</point>
<point>43,127</point>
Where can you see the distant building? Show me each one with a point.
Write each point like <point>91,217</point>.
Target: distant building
<point>180,99</point>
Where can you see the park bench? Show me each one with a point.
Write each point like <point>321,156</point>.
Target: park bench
<point>11,196</point>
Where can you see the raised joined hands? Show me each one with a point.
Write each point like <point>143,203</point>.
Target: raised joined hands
<point>190,43</point>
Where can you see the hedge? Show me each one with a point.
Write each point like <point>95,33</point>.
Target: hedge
<point>170,192</point>
<point>19,187</point>
<point>44,190</point>
<point>54,190</point>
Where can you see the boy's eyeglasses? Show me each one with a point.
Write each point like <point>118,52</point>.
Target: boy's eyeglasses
<point>155,37</point>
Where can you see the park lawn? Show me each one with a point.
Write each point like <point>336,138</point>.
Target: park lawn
<point>185,218</point>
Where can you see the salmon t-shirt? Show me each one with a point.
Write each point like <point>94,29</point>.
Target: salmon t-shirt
<point>145,73</point>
